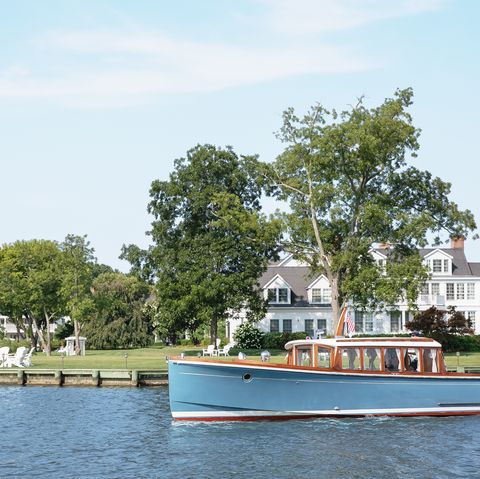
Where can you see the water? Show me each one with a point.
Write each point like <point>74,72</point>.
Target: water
<point>128,433</point>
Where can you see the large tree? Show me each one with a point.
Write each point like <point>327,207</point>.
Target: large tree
<point>30,285</point>
<point>120,318</point>
<point>78,270</point>
<point>210,241</point>
<point>349,184</point>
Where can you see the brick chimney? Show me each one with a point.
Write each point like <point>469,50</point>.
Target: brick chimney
<point>457,242</point>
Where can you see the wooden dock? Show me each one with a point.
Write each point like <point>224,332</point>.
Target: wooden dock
<point>83,377</point>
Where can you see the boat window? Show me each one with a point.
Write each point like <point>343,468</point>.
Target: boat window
<point>430,360</point>
<point>323,358</point>
<point>304,356</point>
<point>410,360</point>
<point>392,359</point>
<point>371,359</point>
<point>350,358</point>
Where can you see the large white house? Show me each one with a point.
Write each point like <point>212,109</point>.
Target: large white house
<point>299,301</point>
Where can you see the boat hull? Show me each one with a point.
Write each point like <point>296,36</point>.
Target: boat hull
<point>201,390</point>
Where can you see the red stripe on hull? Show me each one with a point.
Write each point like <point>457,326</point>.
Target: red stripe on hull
<point>325,416</point>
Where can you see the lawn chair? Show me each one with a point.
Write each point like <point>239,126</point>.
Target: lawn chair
<point>16,359</point>
<point>27,360</point>
<point>210,351</point>
<point>3,355</point>
<point>225,350</point>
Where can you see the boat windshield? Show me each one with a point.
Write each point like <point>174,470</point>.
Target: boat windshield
<point>323,358</point>
<point>304,356</point>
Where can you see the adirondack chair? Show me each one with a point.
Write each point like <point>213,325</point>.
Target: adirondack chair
<point>210,351</point>
<point>225,350</point>
<point>3,355</point>
<point>16,359</point>
<point>27,360</point>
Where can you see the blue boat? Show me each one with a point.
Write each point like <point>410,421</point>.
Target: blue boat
<point>325,378</point>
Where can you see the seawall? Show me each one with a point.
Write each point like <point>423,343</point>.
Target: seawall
<point>83,377</point>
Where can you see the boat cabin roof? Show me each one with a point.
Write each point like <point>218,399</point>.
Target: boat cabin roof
<point>392,342</point>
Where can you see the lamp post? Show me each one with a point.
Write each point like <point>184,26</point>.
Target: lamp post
<point>458,359</point>
<point>126,360</point>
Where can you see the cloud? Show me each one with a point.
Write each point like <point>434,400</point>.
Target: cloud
<point>152,63</point>
<point>109,68</point>
<point>300,17</point>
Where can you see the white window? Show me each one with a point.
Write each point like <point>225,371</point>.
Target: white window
<point>470,290</point>
<point>446,268</point>
<point>309,327</point>
<point>287,325</point>
<point>470,315</point>
<point>450,291</point>
<point>437,265</point>
<point>363,322</point>
<point>460,291</point>
<point>321,295</point>
<point>435,289</point>
<point>278,295</point>
<point>428,264</point>
<point>395,321</point>
<point>424,289</point>
<point>274,325</point>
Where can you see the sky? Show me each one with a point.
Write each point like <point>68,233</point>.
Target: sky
<point>98,97</point>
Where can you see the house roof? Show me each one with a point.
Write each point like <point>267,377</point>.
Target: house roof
<point>300,277</point>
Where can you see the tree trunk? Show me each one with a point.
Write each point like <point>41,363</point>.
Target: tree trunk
<point>76,327</point>
<point>48,348</point>
<point>213,331</point>
<point>42,338</point>
<point>335,304</point>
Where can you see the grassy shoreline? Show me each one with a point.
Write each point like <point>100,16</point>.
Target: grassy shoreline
<point>155,358</point>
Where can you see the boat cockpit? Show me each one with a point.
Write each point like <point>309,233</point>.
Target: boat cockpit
<point>369,355</point>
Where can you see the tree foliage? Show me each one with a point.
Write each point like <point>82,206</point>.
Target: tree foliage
<point>30,285</point>
<point>120,319</point>
<point>349,186</point>
<point>437,323</point>
<point>210,241</point>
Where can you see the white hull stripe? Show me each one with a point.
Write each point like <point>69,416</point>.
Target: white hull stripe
<point>324,412</point>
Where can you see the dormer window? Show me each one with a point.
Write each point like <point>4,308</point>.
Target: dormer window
<point>321,295</point>
<point>438,266</point>
<point>278,295</point>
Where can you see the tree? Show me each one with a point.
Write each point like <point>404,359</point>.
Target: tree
<point>438,323</point>
<point>349,186</point>
<point>210,241</point>
<point>120,318</point>
<point>78,266</point>
<point>30,284</point>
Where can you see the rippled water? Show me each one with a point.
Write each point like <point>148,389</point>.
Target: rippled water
<point>128,433</point>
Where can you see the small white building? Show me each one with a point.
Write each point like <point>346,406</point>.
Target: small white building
<point>300,301</point>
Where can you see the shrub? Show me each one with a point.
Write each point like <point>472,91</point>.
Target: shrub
<point>278,340</point>
<point>247,336</point>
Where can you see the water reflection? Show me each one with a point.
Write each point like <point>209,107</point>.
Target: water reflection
<point>123,433</point>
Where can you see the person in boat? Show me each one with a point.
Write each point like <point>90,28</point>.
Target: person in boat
<point>392,362</point>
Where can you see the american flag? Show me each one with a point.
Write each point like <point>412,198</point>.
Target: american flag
<point>350,324</point>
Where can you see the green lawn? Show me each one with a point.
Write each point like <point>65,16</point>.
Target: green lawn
<point>154,358</point>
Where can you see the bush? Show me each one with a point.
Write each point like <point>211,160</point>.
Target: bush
<point>247,336</point>
<point>278,340</point>
<point>13,345</point>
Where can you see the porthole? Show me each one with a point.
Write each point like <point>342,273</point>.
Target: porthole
<point>247,377</point>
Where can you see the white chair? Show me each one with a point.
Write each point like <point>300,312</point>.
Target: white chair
<point>16,359</point>
<point>210,351</point>
<point>3,355</point>
<point>225,350</point>
<point>27,360</point>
